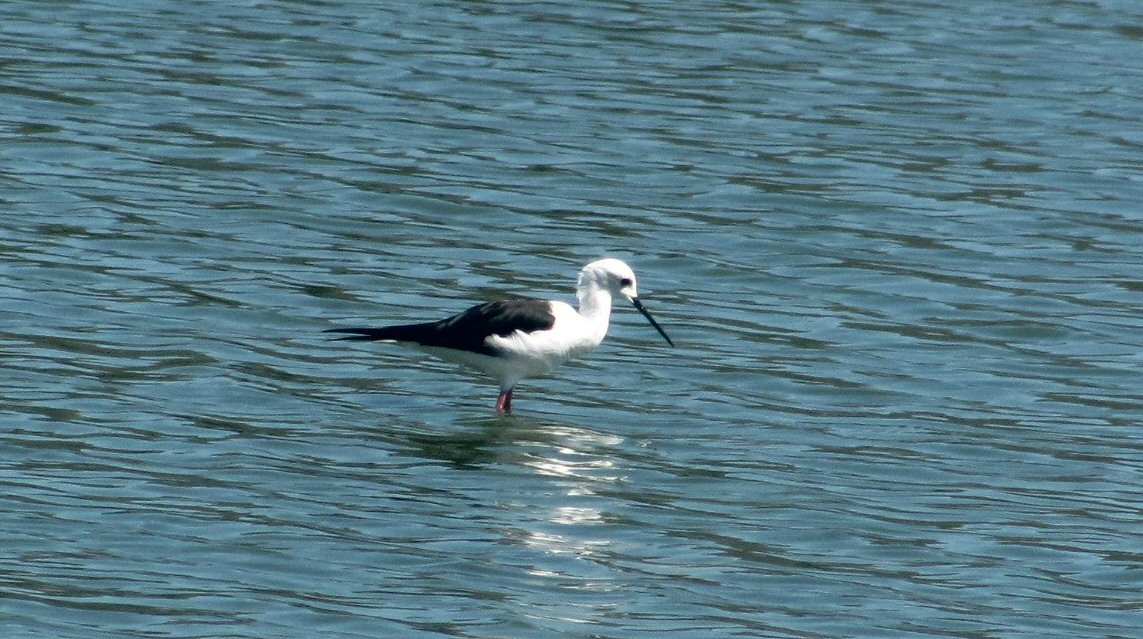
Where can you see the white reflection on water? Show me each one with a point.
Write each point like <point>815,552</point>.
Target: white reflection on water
<point>581,456</point>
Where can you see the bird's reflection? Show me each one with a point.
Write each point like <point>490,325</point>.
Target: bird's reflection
<point>550,447</point>
<point>558,491</point>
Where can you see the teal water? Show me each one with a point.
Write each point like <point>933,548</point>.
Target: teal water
<point>899,248</point>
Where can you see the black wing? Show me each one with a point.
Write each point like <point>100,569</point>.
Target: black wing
<point>468,330</point>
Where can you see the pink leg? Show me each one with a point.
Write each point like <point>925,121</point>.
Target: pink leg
<point>504,402</point>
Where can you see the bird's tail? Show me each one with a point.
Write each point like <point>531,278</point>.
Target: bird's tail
<point>402,333</point>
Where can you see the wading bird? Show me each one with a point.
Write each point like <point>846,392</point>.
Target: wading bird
<point>521,337</point>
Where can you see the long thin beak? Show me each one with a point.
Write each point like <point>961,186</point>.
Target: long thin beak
<point>647,314</point>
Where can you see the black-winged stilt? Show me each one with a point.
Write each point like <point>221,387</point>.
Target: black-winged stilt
<point>523,336</point>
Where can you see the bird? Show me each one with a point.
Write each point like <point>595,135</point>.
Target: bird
<point>520,337</point>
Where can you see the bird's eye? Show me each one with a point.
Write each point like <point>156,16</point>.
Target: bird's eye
<point>625,282</point>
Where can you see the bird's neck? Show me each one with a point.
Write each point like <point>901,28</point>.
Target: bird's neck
<point>595,307</point>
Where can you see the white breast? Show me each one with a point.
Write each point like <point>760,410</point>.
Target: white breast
<point>571,335</point>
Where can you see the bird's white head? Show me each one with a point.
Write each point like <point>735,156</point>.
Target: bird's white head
<point>610,275</point>
<point>602,280</point>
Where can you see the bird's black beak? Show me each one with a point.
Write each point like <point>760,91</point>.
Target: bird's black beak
<point>647,314</point>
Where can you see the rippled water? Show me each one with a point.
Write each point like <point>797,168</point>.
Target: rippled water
<point>899,246</point>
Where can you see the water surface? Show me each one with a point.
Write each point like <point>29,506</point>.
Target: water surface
<point>898,247</point>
